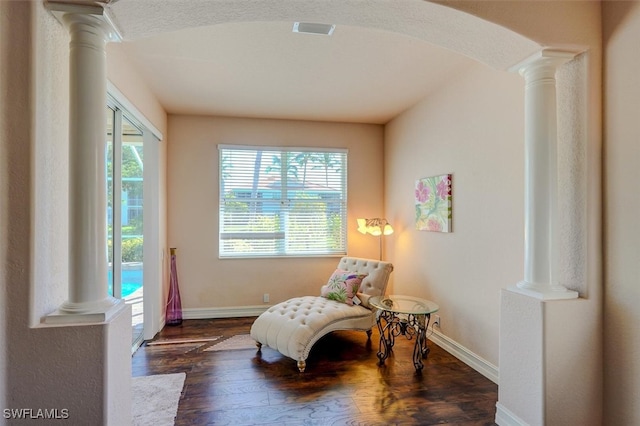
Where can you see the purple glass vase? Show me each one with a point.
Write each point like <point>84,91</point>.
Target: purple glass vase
<point>174,305</point>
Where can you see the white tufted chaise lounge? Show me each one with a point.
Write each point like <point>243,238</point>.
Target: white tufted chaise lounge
<point>294,326</point>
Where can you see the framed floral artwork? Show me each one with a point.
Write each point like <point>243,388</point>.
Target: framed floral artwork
<point>433,203</point>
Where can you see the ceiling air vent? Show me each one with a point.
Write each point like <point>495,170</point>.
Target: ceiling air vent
<point>313,28</point>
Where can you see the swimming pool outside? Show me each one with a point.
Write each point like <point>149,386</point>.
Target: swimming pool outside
<point>132,277</point>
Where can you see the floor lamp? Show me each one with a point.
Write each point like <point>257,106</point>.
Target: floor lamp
<point>376,227</point>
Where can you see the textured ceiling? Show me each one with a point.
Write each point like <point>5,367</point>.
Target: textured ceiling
<point>241,58</point>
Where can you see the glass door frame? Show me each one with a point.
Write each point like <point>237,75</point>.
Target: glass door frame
<point>153,252</point>
<point>152,247</point>
<point>116,210</point>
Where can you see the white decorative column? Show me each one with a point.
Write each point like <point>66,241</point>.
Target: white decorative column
<point>89,29</point>
<point>541,321</point>
<point>541,177</point>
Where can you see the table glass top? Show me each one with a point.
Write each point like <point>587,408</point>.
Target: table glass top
<point>404,304</point>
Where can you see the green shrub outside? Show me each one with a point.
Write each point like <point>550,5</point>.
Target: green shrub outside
<point>131,250</point>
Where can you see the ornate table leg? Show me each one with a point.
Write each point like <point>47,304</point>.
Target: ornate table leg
<point>421,350</point>
<point>425,348</point>
<point>386,342</point>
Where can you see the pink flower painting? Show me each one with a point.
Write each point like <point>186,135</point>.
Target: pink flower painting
<point>422,192</point>
<point>433,203</point>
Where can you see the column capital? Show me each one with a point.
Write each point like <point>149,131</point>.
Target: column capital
<point>91,13</point>
<point>543,62</point>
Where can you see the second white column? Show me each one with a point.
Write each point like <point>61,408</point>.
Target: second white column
<point>541,177</point>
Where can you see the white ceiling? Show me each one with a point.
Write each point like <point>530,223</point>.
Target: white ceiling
<point>263,69</point>
<point>241,58</point>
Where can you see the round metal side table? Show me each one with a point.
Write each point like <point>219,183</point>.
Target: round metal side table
<point>403,315</point>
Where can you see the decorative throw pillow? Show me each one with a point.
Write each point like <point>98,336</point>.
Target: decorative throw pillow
<point>342,286</point>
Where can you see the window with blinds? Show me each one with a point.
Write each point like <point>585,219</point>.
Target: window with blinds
<point>282,201</point>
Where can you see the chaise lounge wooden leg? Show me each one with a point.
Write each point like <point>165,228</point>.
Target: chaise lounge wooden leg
<point>302,364</point>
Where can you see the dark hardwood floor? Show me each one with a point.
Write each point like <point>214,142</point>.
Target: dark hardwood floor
<point>343,384</point>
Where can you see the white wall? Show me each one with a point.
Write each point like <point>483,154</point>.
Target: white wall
<point>34,140</point>
<point>207,282</point>
<point>15,149</point>
<point>622,212</point>
<point>123,74</point>
<point>454,131</point>
<point>50,168</point>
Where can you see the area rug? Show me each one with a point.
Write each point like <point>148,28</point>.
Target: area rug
<point>239,341</point>
<point>155,399</point>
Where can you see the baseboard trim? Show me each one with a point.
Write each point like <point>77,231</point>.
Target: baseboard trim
<point>504,417</point>
<point>227,312</point>
<point>474,361</point>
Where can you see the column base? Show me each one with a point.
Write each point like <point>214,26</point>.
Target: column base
<point>93,312</point>
<point>544,291</point>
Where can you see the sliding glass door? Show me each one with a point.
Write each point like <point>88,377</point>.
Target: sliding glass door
<point>125,215</point>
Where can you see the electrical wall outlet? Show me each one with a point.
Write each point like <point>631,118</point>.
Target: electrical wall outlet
<point>436,321</point>
<point>265,298</point>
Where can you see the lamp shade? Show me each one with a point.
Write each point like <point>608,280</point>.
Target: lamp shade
<point>362,226</point>
<point>375,226</point>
